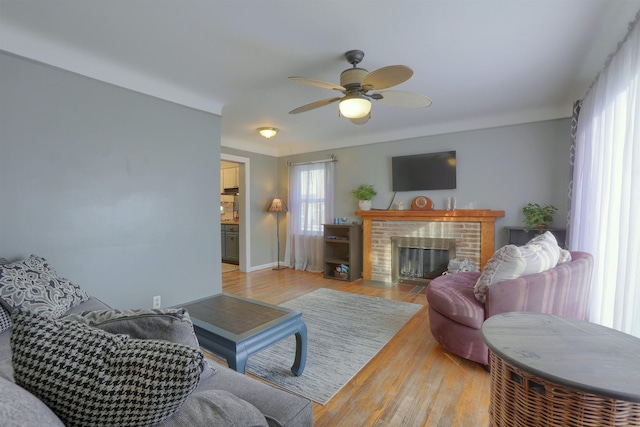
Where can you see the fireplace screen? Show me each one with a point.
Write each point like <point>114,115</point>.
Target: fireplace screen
<point>422,263</point>
<point>420,259</point>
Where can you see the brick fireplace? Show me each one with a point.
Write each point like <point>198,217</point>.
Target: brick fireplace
<point>472,230</point>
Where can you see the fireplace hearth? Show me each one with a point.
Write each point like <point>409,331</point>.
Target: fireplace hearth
<point>418,260</point>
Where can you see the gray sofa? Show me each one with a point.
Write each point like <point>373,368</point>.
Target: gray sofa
<point>18,407</point>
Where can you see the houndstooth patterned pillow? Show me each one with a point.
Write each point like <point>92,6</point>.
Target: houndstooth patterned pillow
<point>91,377</point>
<point>170,324</point>
<point>34,285</point>
<point>5,319</point>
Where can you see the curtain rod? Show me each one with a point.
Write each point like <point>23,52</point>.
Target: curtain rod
<point>333,158</point>
<point>630,27</point>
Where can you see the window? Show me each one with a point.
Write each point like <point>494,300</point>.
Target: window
<point>310,206</point>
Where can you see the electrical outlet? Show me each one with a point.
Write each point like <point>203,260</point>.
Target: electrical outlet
<point>157,301</point>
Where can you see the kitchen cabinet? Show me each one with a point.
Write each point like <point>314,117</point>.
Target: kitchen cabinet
<point>229,178</point>
<point>229,235</point>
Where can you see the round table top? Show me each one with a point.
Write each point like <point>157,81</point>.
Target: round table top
<point>572,353</point>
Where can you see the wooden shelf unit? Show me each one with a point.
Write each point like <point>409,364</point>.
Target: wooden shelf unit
<point>343,247</point>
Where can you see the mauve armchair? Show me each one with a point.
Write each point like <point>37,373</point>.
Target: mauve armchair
<point>456,316</point>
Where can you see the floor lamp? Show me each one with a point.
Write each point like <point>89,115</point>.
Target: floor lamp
<point>277,206</point>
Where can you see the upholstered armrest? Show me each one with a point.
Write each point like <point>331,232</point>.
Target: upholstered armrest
<point>562,290</point>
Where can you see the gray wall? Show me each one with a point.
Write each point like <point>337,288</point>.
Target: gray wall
<point>116,189</point>
<point>263,187</point>
<point>119,190</point>
<point>500,168</point>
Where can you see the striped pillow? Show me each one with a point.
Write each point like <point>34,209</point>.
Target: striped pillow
<point>510,262</point>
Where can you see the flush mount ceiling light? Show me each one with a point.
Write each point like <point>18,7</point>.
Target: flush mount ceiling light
<point>354,106</point>
<point>268,132</point>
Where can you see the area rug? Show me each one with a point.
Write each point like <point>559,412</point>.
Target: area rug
<point>345,331</point>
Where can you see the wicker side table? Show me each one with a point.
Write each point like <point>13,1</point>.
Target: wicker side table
<point>554,371</point>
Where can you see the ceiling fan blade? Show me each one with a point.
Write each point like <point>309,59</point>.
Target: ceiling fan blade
<point>401,98</point>
<point>314,105</point>
<point>361,120</point>
<point>386,77</point>
<point>317,83</point>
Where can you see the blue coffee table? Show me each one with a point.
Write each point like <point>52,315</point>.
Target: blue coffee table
<point>235,328</point>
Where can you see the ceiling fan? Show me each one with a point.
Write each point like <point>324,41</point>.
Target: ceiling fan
<point>360,86</point>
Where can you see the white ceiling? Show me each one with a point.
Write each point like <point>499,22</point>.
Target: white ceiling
<point>484,63</point>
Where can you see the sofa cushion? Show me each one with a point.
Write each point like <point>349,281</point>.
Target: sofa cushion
<point>18,407</point>
<point>91,377</point>
<point>216,408</point>
<point>509,262</point>
<point>452,295</point>
<point>170,324</point>
<point>34,285</point>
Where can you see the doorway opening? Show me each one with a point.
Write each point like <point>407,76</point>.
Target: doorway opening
<point>240,206</point>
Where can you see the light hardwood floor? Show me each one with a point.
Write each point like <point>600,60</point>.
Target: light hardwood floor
<point>411,382</point>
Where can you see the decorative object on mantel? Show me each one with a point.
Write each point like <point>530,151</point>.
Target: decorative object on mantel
<point>538,217</point>
<point>421,203</point>
<point>451,203</point>
<point>363,194</point>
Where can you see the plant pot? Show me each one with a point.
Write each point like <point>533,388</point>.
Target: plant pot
<point>364,205</point>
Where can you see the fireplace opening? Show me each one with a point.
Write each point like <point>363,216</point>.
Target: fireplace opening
<point>418,260</point>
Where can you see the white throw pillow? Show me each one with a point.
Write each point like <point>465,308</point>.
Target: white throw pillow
<point>544,258</point>
<point>510,262</point>
<point>565,256</point>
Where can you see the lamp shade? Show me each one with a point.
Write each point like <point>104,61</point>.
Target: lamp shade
<point>354,106</point>
<point>268,132</point>
<point>277,205</point>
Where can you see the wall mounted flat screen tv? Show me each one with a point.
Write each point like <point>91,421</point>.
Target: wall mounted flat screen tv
<point>419,172</point>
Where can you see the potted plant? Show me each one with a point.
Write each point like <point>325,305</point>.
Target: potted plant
<point>538,217</point>
<point>363,194</point>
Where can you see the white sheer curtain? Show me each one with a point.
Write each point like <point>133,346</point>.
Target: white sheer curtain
<point>310,206</point>
<point>605,207</point>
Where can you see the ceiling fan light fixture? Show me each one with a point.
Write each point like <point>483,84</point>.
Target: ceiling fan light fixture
<point>268,132</point>
<point>359,87</point>
<point>354,106</point>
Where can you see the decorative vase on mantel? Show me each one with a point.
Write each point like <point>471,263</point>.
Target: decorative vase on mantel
<point>364,205</point>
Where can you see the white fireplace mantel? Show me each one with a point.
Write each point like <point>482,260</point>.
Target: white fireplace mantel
<point>485,218</point>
